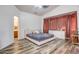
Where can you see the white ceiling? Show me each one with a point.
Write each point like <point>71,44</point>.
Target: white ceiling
<point>37,11</point>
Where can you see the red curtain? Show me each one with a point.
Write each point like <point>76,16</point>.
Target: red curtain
<point>52,24</point>
<point>61,23</point>
<point>73,23</point>
<point>58,23</point>
<point>67,23</point>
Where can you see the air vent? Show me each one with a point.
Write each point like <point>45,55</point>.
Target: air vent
<point>45,6</point>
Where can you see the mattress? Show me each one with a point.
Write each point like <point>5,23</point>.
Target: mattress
<point>41,36</point>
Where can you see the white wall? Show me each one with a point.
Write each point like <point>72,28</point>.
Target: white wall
<point>29,22</point>
<point>64,9</point>
<point>7,13</point>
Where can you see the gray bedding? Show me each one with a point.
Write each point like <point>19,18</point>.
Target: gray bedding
<point>41,36</point>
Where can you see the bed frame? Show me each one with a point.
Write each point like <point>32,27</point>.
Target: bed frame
<point>41,42</point>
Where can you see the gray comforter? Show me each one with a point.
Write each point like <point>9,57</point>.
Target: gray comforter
<point>40,36</point>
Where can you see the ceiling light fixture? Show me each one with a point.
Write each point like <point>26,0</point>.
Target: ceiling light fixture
<point>41,6</point>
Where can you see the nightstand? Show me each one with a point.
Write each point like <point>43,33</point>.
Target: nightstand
<point>74,39</point>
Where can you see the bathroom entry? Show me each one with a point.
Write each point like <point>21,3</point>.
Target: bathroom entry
<point>16,28</point>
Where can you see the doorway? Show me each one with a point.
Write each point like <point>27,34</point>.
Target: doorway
<point>16,28</point>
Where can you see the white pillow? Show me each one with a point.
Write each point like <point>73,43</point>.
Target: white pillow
<point>36,32</point>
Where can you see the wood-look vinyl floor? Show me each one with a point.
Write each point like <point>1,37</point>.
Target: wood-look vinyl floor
<point>56,46</point>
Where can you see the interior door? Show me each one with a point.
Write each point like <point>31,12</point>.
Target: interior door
<point>16,28</point>
<point>46,26</point>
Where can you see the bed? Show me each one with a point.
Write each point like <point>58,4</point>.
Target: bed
<point>40,38</point>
